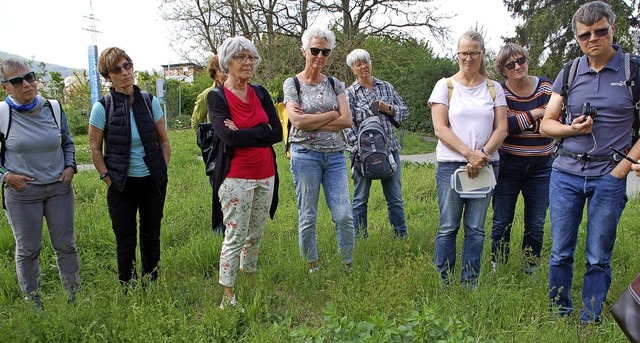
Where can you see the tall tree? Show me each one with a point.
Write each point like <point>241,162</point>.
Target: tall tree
<point>545,30</point>
<point>203,24</point>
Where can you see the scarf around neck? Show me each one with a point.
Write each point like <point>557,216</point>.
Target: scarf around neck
<point>22,108</point>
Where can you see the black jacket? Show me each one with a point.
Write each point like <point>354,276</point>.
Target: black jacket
<point>117,136</point>
<point>262,135</point>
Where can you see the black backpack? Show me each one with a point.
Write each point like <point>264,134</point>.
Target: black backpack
<point>631,65</point>
<point>373,158</point>
<point>208,141</point>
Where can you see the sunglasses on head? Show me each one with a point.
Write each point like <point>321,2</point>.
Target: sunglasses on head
<point>125,66</point>
<point>599,33</point>
<point>17,81</point>
<point>521,60</point>
<point>316,51</point>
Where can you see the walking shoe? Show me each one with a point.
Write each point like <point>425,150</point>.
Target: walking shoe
<point>36,299</point>
<point>400,234</point>
<point>229,302</point>
<point>314,269</point>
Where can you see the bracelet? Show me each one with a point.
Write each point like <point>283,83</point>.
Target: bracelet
<point>484,152</point>
<point>103,175</point>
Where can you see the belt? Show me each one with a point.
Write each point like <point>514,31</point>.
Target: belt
<point>589,158</point>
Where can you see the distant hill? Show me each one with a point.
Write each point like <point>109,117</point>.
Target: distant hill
<point>64,71</point>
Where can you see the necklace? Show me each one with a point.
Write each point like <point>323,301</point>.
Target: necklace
<point>239,91</point>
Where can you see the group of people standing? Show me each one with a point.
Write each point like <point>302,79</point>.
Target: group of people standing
<point>508,130</point>
<point>541,139</point>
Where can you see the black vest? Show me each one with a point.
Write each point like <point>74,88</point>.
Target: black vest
<point>117,137</point>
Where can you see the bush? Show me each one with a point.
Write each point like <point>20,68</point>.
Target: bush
<point>78,121</point>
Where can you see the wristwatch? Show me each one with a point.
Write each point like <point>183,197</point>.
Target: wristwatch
<point>103,175</point>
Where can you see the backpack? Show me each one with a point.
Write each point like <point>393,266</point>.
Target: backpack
<point>373,158</point>
<point>107,102</point>
<point>5,121</point>
<point>285,115</point>
<point>492,89</point>
<point>207,140</point>
<point>631,65</point>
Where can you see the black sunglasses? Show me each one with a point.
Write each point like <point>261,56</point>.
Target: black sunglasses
<point>599,33</point>
<point>17,81</point>
<point>522,60</point>
<point>316,51</point>
<point>125,66</point>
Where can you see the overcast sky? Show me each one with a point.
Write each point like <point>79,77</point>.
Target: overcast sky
<point>53,30</point>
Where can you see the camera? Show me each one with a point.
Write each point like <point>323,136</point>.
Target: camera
<point>588,110</point>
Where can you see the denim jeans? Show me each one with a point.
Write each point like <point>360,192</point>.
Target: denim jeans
<point>605,197</point>
<point>452,207</point>
<point>140,194</point>
<point>392,190</point>
<point>532,179</point>
<point>310,169</point>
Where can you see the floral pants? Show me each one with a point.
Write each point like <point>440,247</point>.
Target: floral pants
<point>245,208</point>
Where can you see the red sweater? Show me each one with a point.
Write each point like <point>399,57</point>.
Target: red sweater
<point>249,162</point>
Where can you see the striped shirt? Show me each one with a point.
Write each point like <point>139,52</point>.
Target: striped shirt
<point>360,99</point>
<point>524,137</point>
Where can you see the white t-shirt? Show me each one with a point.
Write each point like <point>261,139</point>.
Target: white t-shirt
<point>471,116</point>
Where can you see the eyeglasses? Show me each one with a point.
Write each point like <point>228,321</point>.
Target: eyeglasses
<point>599,33</point>
<point>125,66</point>
<point>521,60</point>
<point>316,51</point>
<point>473,54</point>
<point>361,64</point>
<point>245,58</point>
<point>17,81</point>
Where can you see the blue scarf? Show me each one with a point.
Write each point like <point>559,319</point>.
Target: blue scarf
<point>22,108</point>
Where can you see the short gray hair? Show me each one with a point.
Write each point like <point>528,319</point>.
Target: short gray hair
<point>505,54</point>
<point>232,46</point>
<point>318,32</point>
<point>358,55</point>
<point>12,64</point>
<point>591,12</point>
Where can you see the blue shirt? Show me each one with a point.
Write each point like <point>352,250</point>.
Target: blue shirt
<point>137,167</point>
<point>360,99</point>
<point>605,90</point>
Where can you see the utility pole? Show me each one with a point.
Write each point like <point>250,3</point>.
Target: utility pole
<point>94,76</point>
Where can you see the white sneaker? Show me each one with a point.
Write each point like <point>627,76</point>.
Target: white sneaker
<point>233,302</point>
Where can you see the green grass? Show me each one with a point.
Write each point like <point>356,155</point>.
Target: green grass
<point>392,295</point>
<point>417,144</point>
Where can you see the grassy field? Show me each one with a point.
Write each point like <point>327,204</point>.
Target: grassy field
<point>393,293</point>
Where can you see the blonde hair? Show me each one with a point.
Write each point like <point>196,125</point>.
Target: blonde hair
<point>476,37</point>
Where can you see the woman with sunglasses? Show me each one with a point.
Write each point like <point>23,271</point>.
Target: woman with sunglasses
<point>130,125</point>
<point>318,110</point>
<point>38,165</point>
<point>525,159</point>
<point>470,121</point>
<point>246,178</point>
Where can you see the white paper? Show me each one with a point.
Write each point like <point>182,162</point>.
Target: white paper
<point>485,179</point>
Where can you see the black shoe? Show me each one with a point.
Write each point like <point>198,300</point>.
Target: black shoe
<point>365,232</point>
<point>36,299</point>
<point>400,234</point>
<point>219,230</point>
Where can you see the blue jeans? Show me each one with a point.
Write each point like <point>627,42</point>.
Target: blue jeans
<point>605,197</point>
<point>452,207</point>
<point>392,190</point>
<point>310,169</point>
<point>532,179</point>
